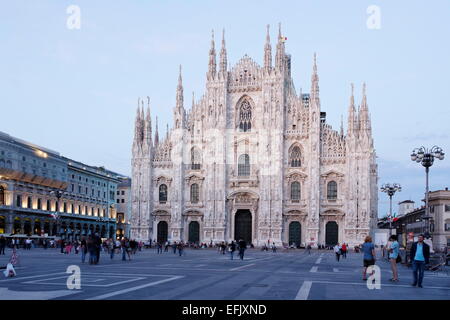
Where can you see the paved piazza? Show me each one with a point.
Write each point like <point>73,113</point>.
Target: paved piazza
<point>205,274</point>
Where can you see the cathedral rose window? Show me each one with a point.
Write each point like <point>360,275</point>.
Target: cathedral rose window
<point>245,116</point>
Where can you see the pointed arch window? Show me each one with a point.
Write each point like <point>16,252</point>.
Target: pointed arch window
<point>295,157</point>
<point>295,191</point>
<point>195,159</point>
<point>245,116</point>
<point>244,165</point>
<point>332,190</point>
<point>195,193</point>
<point>163,193</point>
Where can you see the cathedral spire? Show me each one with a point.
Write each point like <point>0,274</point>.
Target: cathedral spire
<point>137,124</point>
<point>268,52</point>
<point>315,83</point>
<point>364,117</point>
<point>179,105</point>
<point>193,100</point>
<point>212,59</point>
<point>156,133</point>
<point>142,118</point>
<point>148,125</point>
<point>223,56</point>
<point>279,57</point>
<point>352,126</point>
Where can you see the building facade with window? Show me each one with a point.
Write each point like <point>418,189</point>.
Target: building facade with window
<point>45,194</point>
<point>123,208</point>
<point>438,225</point>
<point>254,159</point>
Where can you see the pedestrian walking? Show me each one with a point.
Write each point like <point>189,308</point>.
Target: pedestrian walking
<point>308,248</point>
<point>68,248</point>
<point>337,251</point>
<point>274,247</point>
<point>223,247</point>
<point>62,244</point>
<point>232,249</point>
<point>166,246</point>
<point>125,249</point>
<point>420,256</point>
<point>84,249</point>
<point>98,247</point>
<point>242,247</point>
<point>77,246</point>
<point>174,247</point>
<point>90,243</point>
<point>14,260</point>
<point>180,248</point>
<point>368,249</point>
<point>344,251</point>
<point>2,245</point>
<point>393,257</point>
<point>112,248</point>
<point>159,247</point>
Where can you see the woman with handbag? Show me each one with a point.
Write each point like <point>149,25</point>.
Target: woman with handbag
<point>394,257</point>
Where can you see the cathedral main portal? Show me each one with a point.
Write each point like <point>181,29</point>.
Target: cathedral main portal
<point>243,225</point>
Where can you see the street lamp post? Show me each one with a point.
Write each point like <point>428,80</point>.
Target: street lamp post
<point>390,189</point>
<point>426,158</point>
<point>58,194</point>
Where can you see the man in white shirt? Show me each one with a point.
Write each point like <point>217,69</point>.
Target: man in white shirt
<point>337,250</point>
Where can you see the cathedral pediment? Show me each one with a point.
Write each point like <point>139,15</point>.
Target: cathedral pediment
<point>296,175</point>
<point>333,212</point>
<point>162,179</point>
<point>194,177</point>
<point>191,213</point>
<point>243,196</point>
<point>160,213</point>
<point>295,213</point>
<point>332,173</point>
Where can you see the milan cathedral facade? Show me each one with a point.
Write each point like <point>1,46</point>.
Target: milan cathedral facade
<point>254,160</point>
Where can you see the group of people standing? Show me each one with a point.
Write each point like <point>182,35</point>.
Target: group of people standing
<point>92,245</point>
<point>175,246</point>
<point>340,250</point>
<point>240,246</point>
<point>419,256</point>
<point>222,248</point>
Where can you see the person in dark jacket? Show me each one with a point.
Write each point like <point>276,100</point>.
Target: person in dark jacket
<point>98,247</point>
<point>232,249</point>
<point>242,247</point>
<point>420,256</point>
<point>2,245</point>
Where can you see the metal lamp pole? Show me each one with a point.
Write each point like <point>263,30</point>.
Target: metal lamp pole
<point>426,158</point>
<point>390,190</point>
<point>58,194</point>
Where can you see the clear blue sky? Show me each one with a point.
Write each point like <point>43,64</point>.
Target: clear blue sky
<point>75,91</point>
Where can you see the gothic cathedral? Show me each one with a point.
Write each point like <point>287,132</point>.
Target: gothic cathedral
<point>254,160</point>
